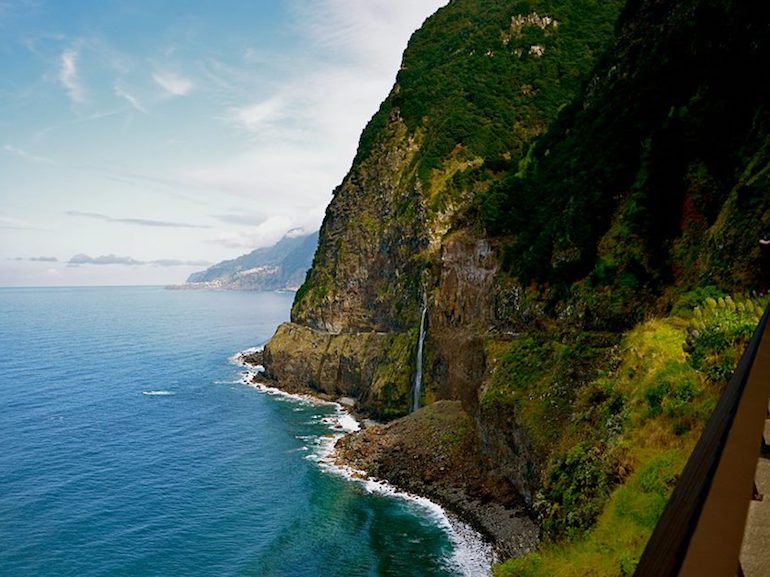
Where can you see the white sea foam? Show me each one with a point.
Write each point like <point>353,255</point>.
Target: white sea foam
<point>252,350</point>
<point>240,360</point>
<point>472,555</point>
<point>247,378</point>
<point>349,423</point>
<point>158,393</point>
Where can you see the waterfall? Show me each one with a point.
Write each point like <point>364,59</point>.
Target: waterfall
<point>418,369</point>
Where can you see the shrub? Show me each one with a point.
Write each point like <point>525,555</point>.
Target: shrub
<point>575,491</point>
<point>719,331</point>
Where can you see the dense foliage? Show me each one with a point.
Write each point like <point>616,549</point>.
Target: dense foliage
<point>630,431</point>
<point>625,191</point>
<point>472,82</point>
<point>624,200</point>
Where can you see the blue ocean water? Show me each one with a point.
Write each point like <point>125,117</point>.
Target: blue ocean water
<point>204,476</point>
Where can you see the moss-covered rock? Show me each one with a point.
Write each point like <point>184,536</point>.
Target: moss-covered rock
<point>374,367</point>
<point>470,96</point>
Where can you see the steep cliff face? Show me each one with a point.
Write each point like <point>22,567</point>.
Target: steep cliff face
<point>477,83</point>
<point>461,315</point>
<point>545,204</point>
<point>366,274</point>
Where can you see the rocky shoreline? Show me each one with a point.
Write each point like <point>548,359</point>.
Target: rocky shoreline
<point>433,453</point>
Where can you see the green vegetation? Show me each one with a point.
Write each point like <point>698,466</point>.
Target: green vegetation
<point>629,434</point>
<point>536,378</point>
<point>575,491</point>
<point>653,177</point>
<point>714,330</point>
<point>613,546</point>
<point>472,82</point>
<point>479,81</point>
<point>389,394</point>
<point>623,193</point>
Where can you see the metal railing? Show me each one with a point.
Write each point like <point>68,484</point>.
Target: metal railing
<point>701,529</point>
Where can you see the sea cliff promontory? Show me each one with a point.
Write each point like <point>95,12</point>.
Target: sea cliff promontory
<point>573,193</point>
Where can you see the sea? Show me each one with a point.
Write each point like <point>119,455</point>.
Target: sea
<point>132,444</point>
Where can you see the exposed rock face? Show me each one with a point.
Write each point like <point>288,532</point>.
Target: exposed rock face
<point>461,314</point>
<point>420,167</point>
<point>365,274</point>
<point>354,322</point>
<point>508,451</point>
<point>367,365</point>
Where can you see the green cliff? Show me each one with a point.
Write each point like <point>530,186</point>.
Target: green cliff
<point>478,82</point>
<point>574,190</point>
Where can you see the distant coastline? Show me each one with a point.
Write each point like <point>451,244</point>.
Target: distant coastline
<point>214,285</point>
<point>282,266</point>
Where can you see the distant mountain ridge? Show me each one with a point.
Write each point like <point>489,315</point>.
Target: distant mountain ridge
<point>281,266</point>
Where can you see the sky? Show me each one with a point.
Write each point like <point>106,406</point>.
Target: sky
<point>142,140</point>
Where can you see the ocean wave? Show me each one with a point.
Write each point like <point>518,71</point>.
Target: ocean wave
<point>239,358</point>
<point>472,555</point>
<point>158,393</point>
<point>247,378</point>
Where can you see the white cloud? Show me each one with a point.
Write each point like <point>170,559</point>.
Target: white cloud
<point>259,116</point>
<point>21,153</point>
<point>173,84</point>
<point>103,259</point>
<point>177,262</point>
<point>136,221</point>
<point>305,126</point>
<point>132,100</point>
<point>12,223</point>
<point>364,32</point>
<point>267,233</point>
<point>241,217</point>
<point>108,259</point>
<point>68,75</point>
<point>43,259</point>
<point>267,128</point>
<point>276,177</point>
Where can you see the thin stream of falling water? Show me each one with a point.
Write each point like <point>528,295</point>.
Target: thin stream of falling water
<point>416,389</point>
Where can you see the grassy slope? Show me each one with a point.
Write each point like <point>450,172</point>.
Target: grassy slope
<point>628,437</point>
